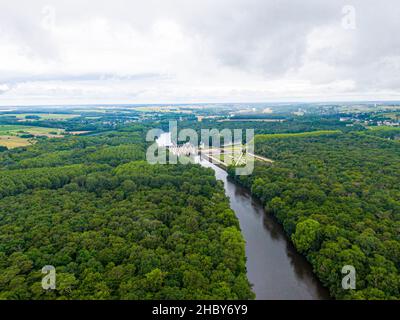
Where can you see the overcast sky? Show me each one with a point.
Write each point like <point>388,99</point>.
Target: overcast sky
<point>177,51</point>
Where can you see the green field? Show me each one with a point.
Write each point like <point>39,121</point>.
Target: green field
<point>12,136</point>
<point>36,131</point>
<point>300,134</point>
<point>43,116</point>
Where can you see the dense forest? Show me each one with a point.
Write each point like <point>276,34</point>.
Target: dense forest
<point>114,226</point>
<point>290,124</point>
<point>338,197</point>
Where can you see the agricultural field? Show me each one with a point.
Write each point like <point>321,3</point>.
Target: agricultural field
<point>36,131</point>
<point>41,116</point>
<point>13,136</point>
<point>12,142</point>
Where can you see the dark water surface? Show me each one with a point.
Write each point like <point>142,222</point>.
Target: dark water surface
<point>274,267</point>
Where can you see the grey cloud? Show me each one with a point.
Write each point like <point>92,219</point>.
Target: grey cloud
<point>270,36</point>
<point>20,78</point>
<point>263,37</point>
<point>4,89</point>
<point>20,22</point>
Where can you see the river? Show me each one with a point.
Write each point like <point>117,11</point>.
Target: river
<point>274,267</point>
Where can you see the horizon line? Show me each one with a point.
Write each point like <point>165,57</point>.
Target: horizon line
<point>195,103</point>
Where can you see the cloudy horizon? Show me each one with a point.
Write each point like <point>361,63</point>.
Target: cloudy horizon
<point>131,52</point>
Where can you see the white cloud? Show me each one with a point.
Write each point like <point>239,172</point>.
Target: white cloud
<point>4,88</point>
<point>180,51</point>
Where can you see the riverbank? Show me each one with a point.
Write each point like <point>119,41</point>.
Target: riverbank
<point>274,267</point>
